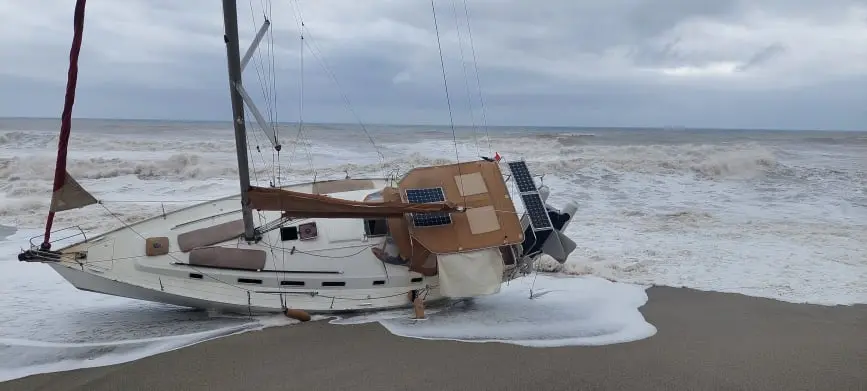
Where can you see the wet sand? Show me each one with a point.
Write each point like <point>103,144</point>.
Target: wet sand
<point>705,341</point>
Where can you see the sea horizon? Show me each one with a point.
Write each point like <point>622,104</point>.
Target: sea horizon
<point>445,125</point>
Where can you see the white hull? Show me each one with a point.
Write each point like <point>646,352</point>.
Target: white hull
<point>90,281</point>
<point>334,272</point>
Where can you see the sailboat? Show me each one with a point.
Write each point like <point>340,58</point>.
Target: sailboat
<point>439,232</point>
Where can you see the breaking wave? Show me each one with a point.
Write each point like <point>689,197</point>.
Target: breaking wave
<point>568,139</point>
<point>705,161</point>
<point>178,166</point>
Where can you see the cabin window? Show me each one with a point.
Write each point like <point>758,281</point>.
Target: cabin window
<point>333,283</point>
<point>375,227</point>
<point>196,276</point>
<point>417,279</point>
<point>379,282</point>
<point>249,281</point>
<point>288,233</point>
<point>292,283</point>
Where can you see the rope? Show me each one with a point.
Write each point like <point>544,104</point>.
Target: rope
<point>335,257</point>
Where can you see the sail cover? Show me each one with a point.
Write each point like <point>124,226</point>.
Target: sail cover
<point>60,174</point>
<point>296,204</point>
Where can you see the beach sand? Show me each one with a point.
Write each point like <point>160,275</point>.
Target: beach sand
<point>705,341</point>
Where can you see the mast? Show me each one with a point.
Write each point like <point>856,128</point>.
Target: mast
<point>233,55</point>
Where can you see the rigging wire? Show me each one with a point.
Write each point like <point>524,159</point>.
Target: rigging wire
<point>448,99</point>
<point>263,77</point>
<point>300,135</point>
<point>445,81</point>
<point>269,92</point>
<point>311,44</point>
<point>275,122</point>
<point>478,80</point>
<point>259,67</point>
<point>466,76</point>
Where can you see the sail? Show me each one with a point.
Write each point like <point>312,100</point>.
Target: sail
<point>60,174</point>
<point>70,195</point>
<point>297,204</point>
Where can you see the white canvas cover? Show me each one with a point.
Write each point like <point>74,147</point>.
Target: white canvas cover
<point>472,273</point>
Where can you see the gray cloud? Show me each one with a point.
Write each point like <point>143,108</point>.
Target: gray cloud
<point>729,63</point>
<point>763,56</point>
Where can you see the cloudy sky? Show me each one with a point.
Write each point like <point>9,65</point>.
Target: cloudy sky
<point>709,63</point>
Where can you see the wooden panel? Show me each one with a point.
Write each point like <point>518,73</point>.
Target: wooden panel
<point>471,184</point>
<point>458,236</point>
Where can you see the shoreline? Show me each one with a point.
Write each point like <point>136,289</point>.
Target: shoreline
<point>704,340</point>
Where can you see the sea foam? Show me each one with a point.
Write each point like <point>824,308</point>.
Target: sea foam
<point>535,310</point>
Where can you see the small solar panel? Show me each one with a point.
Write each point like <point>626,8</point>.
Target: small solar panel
<point>431,219</point>
<point>539,218</point>
<point>522,176</point>
<point>424,196</point>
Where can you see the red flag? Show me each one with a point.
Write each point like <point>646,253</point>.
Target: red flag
<point>497,157</point>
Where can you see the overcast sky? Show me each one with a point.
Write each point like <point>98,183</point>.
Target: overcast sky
<point>709,63</point>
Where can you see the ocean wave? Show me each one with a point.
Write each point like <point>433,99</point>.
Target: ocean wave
<point>838,139</point>
<point>25,357</point>
<point>31,213</point>
<point>706,161</point>
<point>23,139</point>
<point>567,139</point>
<point>177,167</point>
<point>23,177</point>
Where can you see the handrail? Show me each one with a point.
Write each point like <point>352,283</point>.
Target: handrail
<point>80,232</point>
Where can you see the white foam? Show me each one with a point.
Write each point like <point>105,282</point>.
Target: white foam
<point>47,325</point>
<point>564,311</point>
<point>34,357</point>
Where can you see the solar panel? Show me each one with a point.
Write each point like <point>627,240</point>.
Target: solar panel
<point>431,219</point>
<point>522,176</point>
<point>424,196</point>
<point>539,218</point>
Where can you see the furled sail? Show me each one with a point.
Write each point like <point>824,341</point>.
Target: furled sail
<point>60,174</point>
<point>297,204</point>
